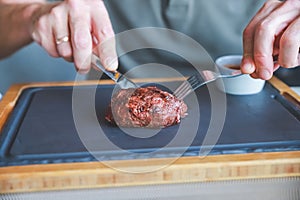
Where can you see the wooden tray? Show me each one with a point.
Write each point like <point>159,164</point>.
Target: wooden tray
<point>273,152</point>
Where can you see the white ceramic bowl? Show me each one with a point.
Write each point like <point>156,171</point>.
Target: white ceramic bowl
<point>241,85</point>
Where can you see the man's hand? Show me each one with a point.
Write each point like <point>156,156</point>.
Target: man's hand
<point>74,29</point>
<point>273,31</point>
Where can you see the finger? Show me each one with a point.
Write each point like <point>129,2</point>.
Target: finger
<point>248,65</point>
<point>81,39</point>
<point>276,66</point>
<point>59,16</point>
<point>254,75</point>
<point>277,45</point>
<point>265,35</point>
<point>289,45</point>
<point>104,36</point>
<point>43,35</point>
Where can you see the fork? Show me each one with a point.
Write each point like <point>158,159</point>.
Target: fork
<point>198,80</point>
<point>120,79</point>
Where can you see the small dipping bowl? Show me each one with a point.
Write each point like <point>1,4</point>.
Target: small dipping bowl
<point>240,85</point>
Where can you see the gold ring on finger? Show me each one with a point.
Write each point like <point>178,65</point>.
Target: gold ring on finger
<point>62,40</point>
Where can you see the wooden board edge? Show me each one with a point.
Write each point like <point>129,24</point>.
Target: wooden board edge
<point>284,89</point>
<point>33,178</point>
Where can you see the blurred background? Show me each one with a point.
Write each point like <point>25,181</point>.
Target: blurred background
<point>33,64</point>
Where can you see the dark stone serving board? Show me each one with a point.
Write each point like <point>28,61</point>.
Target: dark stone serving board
<point>41,128</point>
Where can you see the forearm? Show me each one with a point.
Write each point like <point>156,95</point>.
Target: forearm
<point>15,22</point>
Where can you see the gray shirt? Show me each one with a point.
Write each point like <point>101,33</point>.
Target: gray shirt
<point>215,25</point>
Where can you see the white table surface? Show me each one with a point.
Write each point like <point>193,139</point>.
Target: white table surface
<point>252,189</point>
<point>296,89</point>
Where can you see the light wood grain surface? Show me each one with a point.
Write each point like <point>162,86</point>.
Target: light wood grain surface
<point>184,170</point>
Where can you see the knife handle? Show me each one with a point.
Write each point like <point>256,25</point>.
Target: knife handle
<point>114,75</point>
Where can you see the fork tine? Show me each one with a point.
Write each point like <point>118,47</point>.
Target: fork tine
<point>181,88</point>
<point>190,85</point>
<point>184,94</point>
<point>182,91</point>
<point>197,80</point>
<point>186,87</point>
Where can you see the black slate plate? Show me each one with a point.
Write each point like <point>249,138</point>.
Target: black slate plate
<point>41,128</point>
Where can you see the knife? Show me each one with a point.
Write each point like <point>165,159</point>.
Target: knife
<point>119,78</point>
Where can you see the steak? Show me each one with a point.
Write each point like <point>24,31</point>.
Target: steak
<point>145,107</point>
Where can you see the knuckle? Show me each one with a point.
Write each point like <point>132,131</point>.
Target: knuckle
<point>268,3</point>
<point>292,3</point>
<point>261,59</point>
<point>264,26</point>
<point>41,24</point>
<point>76,5</point>
<point>82,41</point>
<point>106,32</point>
<point>82,35</point>
<point>55,12</point>
<point>73,3</point>
<point>260,56</point>
<point>288,40</point>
